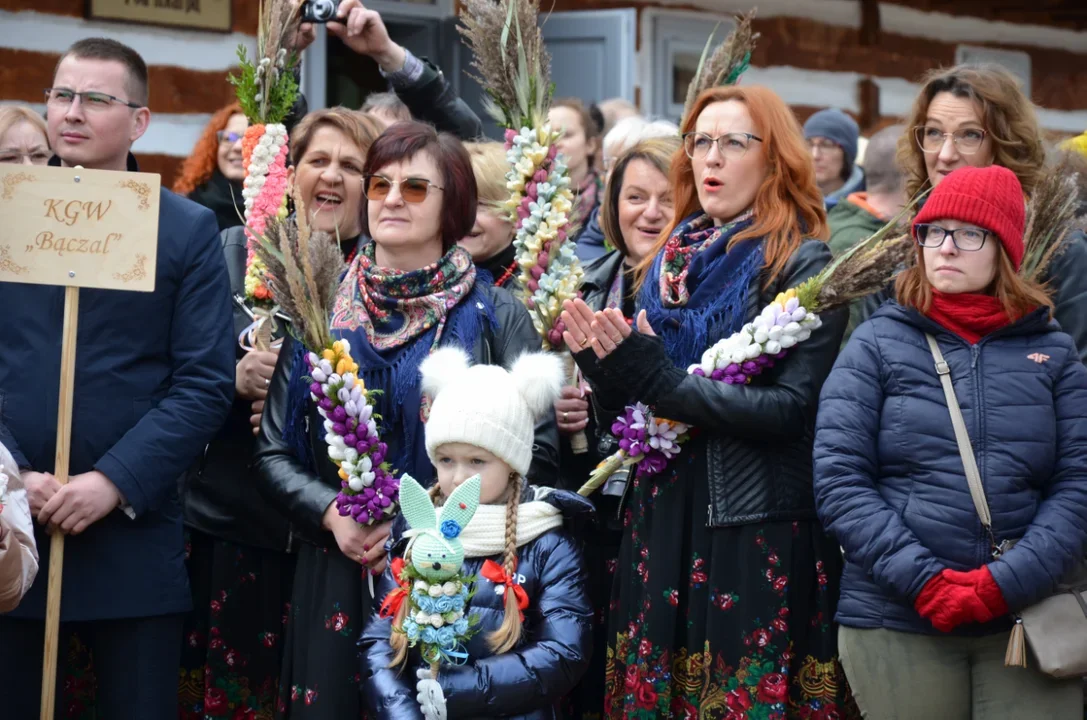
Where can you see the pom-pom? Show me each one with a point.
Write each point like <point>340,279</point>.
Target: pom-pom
<point>444,367</point>
<point>538,376</point>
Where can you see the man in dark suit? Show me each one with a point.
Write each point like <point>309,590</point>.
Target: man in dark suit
<point>154,382</point>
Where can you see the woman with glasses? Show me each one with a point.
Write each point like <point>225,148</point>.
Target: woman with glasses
<point>929,593</point>
<point>212,174</point>
<point>726,584</point>
<point>23,137</point>
<point>978,116</point>
<point>407,291</point>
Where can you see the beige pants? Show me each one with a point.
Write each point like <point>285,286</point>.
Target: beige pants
<point>905,676</point>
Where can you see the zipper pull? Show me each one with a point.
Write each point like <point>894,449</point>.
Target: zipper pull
<point>709,515</point>
<point>973,356</point>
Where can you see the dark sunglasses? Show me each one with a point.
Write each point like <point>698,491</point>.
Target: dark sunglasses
<point>413,190</point>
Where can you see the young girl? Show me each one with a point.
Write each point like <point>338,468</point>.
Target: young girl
<point>18,550</point>
<point>534,633</point>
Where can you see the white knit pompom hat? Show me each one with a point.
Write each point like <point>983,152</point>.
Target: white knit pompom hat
<point>488,406</point>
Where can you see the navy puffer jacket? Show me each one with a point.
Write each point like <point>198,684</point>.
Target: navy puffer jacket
<point>525,683</point>
<point>889,480</point>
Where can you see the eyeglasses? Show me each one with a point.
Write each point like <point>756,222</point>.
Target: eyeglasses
<point>413,190</point>
<point>228,137</point>
<point>932,140</point>
<point>731,145</point>
<point>825,146</point>
<point>967,239</point>
<point>63,97</point>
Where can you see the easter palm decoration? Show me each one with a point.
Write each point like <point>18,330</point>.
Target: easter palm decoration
<point>266,90</point>
<point>514,67</point>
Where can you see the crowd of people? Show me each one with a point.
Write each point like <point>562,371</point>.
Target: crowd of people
<point>816,550</point>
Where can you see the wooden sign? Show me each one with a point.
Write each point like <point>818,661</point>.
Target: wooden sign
<point>195,14</point>
<point>79,228</point>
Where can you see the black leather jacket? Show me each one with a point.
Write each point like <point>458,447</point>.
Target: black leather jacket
<point>760,436</point>
<point>219,494</point>
<point>304,496</point>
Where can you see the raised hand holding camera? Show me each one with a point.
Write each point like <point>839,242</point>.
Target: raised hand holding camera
<point>364,32</point>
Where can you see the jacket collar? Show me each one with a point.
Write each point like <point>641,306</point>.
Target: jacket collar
<point>1035,322</point>
<point>132,165</point>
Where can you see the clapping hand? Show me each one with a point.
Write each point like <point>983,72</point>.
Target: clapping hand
<point>603,330</point>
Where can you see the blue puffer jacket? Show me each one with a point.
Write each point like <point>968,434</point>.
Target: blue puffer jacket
<point>889,480</point>
<point>525,683</point>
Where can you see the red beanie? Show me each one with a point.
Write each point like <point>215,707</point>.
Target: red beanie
<point>989,197</point>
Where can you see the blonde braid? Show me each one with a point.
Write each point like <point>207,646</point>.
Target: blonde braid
<point>508,634</point>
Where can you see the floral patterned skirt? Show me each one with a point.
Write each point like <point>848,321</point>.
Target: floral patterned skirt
<point>233,639</point>
<point>727,623</point>
<point>329,607</point>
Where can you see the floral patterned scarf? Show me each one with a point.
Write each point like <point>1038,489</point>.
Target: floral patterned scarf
<point>394,320</point>
<point>696,289</point>
<point>393,307</point>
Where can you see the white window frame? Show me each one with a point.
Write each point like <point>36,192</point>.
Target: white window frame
<point>1016,62</point>
<point>664,35</point>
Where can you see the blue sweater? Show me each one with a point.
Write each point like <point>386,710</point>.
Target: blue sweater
<point>889,480</point>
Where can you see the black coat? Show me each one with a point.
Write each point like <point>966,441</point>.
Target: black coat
<point>432,100</point>
<point>154,379</point>
<point>220,497</point>
<point>303,496</point>
<point>526,682</point>
<point>760,435</point>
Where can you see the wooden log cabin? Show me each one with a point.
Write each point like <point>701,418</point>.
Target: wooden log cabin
<point>863,56</point>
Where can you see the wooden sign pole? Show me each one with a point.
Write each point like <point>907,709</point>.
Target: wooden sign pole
<point>56,543</point>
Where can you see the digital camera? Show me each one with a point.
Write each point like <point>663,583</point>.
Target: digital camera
<point>319,11</point>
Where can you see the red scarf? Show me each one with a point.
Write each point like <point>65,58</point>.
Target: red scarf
<point>969,315</point>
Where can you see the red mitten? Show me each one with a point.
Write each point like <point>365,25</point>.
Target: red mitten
<point>948,604</point>
<point>986,588</point>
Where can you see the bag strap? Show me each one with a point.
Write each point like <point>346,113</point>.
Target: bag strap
<point>969,463</point>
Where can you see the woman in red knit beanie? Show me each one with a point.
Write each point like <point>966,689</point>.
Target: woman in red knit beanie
<point>928,593</point>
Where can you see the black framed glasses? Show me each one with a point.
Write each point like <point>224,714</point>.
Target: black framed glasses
<point>413,190</point>
<point>731,145</point>
<point>967,239</point>
<point>228,137</point>
<point>967,141</point>
<point>63,97</point>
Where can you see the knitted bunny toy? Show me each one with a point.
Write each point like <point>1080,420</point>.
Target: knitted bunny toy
<point>438,597</point>
<point>436,552</point>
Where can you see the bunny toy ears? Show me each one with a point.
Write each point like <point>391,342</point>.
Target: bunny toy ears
<point>435,547</point>
<point>488,406</point>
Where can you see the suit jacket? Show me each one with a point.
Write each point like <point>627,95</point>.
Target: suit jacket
<point>154,380</point>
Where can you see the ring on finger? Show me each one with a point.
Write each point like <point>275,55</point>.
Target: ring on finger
<point>566,417</point>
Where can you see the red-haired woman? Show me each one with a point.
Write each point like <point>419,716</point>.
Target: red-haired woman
<point>726,586</point>
<point>212,174</point>
<point>409,290</point>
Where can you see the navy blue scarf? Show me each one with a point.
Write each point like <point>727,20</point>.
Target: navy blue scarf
<point>710,281</point>
<point>394,371</point>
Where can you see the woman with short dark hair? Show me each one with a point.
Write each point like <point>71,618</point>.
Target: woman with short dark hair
<point>409,290</point>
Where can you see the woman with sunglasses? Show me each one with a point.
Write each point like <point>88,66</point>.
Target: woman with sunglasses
<point>928,592</point>
<point>408,290</point>
<point>726,583</point>
<point>212,174</point>
<point>976,116</point>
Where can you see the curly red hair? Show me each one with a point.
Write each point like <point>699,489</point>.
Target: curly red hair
<point>201,163</point>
